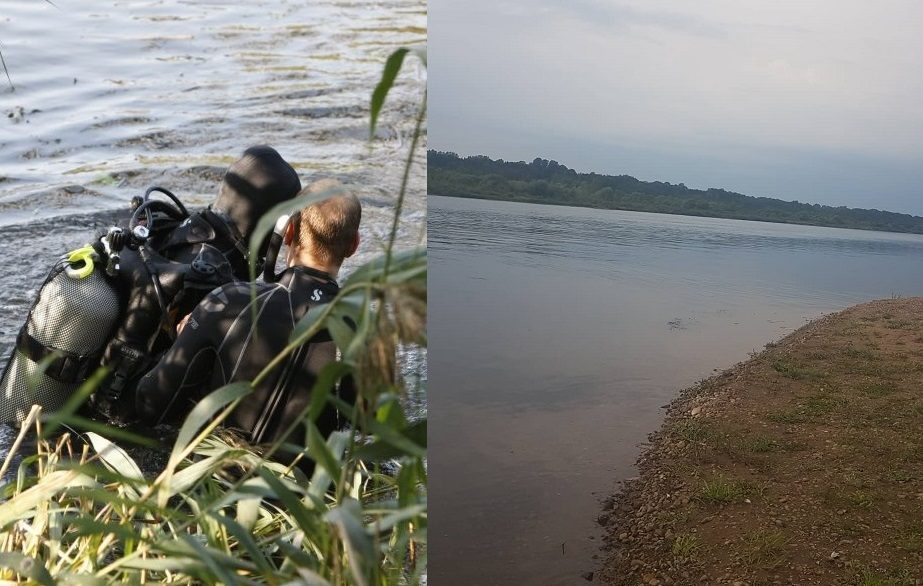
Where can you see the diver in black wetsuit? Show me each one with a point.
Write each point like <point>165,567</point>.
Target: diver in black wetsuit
<point>181,264</point>
<point>219,342</point>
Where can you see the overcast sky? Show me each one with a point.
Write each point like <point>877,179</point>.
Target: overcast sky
<point>815,101</point>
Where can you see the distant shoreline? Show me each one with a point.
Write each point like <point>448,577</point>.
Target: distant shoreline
<point>799,465</point>
<point>549,183</point>
<point>569,205</point>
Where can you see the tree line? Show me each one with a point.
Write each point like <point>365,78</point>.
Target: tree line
<point>549,182</point>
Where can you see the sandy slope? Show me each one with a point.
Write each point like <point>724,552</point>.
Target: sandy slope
<point>803,465</point>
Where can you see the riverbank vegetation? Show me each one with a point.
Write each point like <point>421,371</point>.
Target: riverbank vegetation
<point>801,466</point>
<point>78,508</point>
<point>549,182</point>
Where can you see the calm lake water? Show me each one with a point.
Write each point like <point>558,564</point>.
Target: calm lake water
<point>561,332</point>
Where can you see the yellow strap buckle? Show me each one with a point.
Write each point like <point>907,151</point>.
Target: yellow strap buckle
<point>83,259</point>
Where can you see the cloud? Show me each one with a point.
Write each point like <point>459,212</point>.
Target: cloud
<point>614,17</point>
<point>785,71</point>
<point>832,79</point>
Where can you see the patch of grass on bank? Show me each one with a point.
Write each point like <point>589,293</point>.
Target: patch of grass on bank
<point>896,577</point>
<point>911,540</point>
<point>721,491</point>
<point>811,408</point>
<point>900,324</point>
<point>878,389</point>
<point>757,444</point>
<point>795,372</point>
<point>685,545</point>
<point>763,548</point>
<point>788,416</point>
<point>869,578</point>
<point>860,498</point>
<point>900,474</point>
<point>860,354</point>
<point>695,431</point>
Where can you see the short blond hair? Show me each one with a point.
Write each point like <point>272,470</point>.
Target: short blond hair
<point>329,227</point>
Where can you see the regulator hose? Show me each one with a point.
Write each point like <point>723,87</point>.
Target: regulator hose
<point>272,251</point>
<point>155,205</point>
<point>168,193</point>
<point>145,204</point>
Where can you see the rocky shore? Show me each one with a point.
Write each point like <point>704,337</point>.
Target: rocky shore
<point>802,465</point>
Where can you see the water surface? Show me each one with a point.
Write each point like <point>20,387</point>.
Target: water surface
<point>561,332</point>
<point>111,96</point>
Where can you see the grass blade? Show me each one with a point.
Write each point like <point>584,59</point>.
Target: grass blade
<point>116,459</point>
<point>202,413</point>
<point>7,72</point>
<point>28,567</point>
<point>292,503</point>
<point>246,541</point>
<point>347,518</point>
<point>25,504</point>
<point>54,420</point>
<point>392,67</point>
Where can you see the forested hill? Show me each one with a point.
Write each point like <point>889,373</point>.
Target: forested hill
<point>549,182</point>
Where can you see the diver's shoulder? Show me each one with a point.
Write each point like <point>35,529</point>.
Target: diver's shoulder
<point>236,294</point>
<point>244,290</point>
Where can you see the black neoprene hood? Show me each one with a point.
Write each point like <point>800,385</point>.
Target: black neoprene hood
<point>255,183</point>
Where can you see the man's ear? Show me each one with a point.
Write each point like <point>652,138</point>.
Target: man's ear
<point>354,246</point>
<point>289,234</point>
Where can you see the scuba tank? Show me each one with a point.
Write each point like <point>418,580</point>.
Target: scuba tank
<point>60,344</point>
<point>75,313</point>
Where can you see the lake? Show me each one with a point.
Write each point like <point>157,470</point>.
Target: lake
<point>560,333</point>
<point>111,97</point>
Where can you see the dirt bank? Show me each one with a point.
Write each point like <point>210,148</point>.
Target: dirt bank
<point>803,465</point>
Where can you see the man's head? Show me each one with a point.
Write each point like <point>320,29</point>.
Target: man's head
<point>255,183</point>
<point>326,232</point>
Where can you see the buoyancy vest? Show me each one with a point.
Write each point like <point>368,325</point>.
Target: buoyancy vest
<point>158,284</point>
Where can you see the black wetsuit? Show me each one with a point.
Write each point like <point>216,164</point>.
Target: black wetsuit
<point>220,345</point>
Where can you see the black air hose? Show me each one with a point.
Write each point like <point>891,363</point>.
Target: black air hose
<point>168,193</point>
<point>154,205</point>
